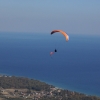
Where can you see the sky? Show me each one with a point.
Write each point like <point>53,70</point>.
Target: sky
<point>43,16</point>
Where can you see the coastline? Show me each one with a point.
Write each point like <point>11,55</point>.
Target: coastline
<point>59,86</point>
<point>71,89</point>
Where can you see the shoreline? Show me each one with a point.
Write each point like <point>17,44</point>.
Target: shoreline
<point>70,89</point>
<point>54,84</point>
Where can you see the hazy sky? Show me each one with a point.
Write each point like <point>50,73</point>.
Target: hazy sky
<point>72,16</point>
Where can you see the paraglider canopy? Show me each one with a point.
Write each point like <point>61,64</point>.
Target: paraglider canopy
<point>62,32</point>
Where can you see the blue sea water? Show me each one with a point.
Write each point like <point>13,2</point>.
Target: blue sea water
<point>75,66</point>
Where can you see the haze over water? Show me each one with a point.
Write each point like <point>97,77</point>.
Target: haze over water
<point>75,66</point>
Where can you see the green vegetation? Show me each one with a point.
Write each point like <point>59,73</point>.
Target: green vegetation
<point>21,82</point>
<point>20,88</point>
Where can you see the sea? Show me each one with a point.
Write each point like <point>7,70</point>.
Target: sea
<point>75,66</point>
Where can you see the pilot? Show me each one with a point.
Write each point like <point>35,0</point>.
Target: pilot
<point>55,50</point>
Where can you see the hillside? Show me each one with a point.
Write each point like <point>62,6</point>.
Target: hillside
<point>21,88</point>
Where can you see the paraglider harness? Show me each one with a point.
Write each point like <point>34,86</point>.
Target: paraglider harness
<point>55,50</point>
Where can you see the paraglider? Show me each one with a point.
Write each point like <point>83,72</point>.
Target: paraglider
<point>51,53</point>
<point>63,33</point>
